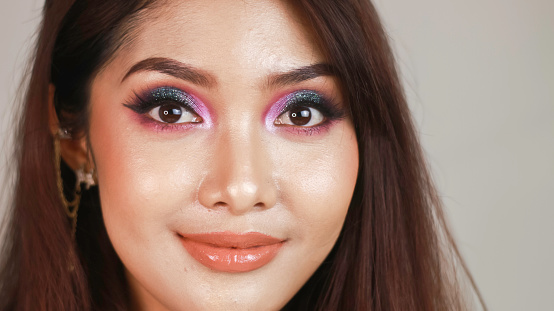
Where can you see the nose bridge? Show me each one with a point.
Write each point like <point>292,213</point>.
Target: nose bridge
<point>241,151</point>
<point>239,178</point>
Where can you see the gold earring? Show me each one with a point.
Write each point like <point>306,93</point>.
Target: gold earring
<point>70,207</point>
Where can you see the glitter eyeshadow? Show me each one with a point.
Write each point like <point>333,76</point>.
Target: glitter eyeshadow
<point>146,101</point>
<point>303,98</point>
<point>169,93</point>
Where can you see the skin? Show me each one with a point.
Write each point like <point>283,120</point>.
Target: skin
<point>232,172</point>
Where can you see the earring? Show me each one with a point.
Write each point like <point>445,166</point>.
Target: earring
<point>86,178</point>
<point>70,207</point>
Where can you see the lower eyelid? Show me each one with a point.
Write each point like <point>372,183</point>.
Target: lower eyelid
<point>320,129</point>
<point>309,131</point>
<point>169,127</point>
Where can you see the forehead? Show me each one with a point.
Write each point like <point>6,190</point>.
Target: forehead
<point>225,36</point>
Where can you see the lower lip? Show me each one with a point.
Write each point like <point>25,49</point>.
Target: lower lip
<point>228,259</point>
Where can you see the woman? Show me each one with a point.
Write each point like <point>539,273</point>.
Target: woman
<point>230,155</point>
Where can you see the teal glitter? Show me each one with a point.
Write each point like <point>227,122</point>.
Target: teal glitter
<point>306,96</point>
<point>168,93</point>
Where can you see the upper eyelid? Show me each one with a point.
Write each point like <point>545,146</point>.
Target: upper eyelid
<point>144,101</point>
<point>324,104</point>
<point>187,96</point>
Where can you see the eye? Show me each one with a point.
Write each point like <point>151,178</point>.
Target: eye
<point>304,109</point>
<point>300,116</point>
<point>166,105</point>
<point>173,113</point>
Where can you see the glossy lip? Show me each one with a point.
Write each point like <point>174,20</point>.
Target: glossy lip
<point>232,252</point>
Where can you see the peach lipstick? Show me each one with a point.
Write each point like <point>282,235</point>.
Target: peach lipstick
<point>232,252</point>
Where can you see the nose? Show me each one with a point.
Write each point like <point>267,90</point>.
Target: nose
<point>239,177</point>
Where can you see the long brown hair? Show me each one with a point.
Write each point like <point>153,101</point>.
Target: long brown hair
<point>395,251</point>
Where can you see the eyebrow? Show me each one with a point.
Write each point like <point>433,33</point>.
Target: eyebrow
<point>197,76</point>
<point>301,74</point>
<point>173,68</point>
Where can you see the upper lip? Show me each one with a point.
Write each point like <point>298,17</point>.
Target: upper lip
<point>233,240</point>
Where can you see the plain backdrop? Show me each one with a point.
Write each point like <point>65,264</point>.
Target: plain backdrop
<point>479,77</point>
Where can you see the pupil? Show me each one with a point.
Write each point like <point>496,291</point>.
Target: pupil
<point>170,113</point>
<point>300,116</point>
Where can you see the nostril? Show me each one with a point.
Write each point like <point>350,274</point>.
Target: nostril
<point>220,204</point>
<point>260,205</point>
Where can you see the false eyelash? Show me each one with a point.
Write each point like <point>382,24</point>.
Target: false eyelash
<point>311,99</point>
<point>146,101</point>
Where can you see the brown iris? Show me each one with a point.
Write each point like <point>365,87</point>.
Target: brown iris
<point>170,113</point>
<point>300,115</point>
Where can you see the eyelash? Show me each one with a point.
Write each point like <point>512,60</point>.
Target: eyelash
<point>310,99</point>
<point>144,102</point>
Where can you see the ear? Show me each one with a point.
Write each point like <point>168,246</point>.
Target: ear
<point>73,151</point>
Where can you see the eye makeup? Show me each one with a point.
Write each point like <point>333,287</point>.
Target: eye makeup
<point>144,102</point>
<point>306,99</point>
<point>279,115</point>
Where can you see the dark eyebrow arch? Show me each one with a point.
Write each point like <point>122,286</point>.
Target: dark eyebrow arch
<point>302,74</point>
<point>173,68</point>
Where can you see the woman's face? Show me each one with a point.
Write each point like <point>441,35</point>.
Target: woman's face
<point>226,159</point>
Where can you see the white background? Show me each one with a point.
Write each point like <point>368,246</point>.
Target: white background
<point>479,76</point>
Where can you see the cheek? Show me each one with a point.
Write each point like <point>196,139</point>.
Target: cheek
<point>143,181</point>
<point>317,185</point>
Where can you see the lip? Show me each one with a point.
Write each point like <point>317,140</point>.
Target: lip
<point>232,252</point>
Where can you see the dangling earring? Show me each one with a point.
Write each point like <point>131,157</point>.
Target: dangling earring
<point>70,207</point>
<point>85,177</point>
